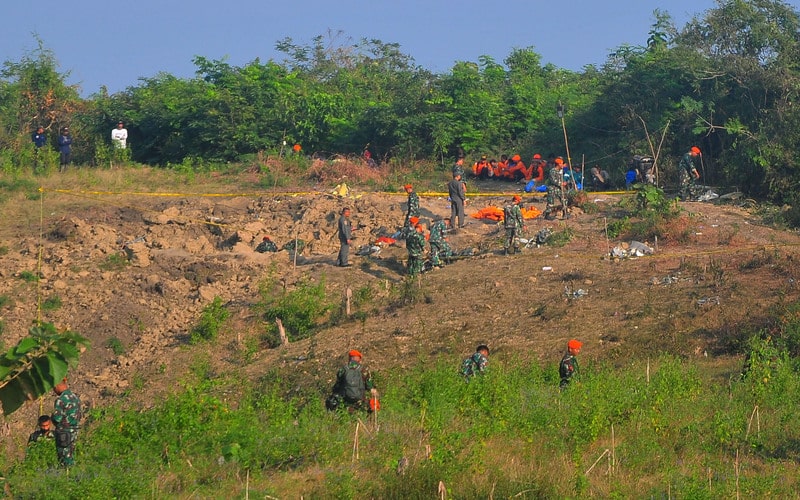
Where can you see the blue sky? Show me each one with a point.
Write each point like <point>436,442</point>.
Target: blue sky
<point>115,43</point>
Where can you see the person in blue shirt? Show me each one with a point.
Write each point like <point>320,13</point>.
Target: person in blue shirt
<point>65,147</point>
<point>39,138</point>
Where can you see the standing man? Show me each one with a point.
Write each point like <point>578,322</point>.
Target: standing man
<point>458,168</point>
<point>119,136</point>
<point>458,199</point>
<point>65,148</point>
<point>66,417</point>
<point>513,222</point>
<point>688,173</point>
<point>413,205</point>
<point>345,236</point>
<point>438,242</point>
<point>555,188</point>
<point>415,244</point>
<point>569,363</point>
<point>39,138</point>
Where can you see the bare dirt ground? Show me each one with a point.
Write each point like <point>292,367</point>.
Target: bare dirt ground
<point>697,297</point>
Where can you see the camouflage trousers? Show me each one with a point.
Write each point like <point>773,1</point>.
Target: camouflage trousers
<point>554,192</point>
<point>439,251</point>
<point>415,265</point>
<point>65,446</point>
<point>512,243</point>
<point>687,185</point>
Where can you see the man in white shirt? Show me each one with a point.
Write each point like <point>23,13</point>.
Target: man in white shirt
<point>119,136</point>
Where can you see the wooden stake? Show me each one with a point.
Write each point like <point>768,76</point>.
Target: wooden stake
<point>247,486</point>
<point>648,371</point>
<point>613,450</point>
<point>282,332</point>
<point>442,490</point>
<point>736,470</point>
<point>355,442</point>
<point>597,461</point>
<point>348,294</point>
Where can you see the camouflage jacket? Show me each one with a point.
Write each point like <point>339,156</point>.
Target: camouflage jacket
<point>438,230</point>
<point>475,364</point>
<point>266,246</point>
<point>512,216</point>
<point>415,243</point>
<point>568,368</point>
<point>40,435</point>
<point>555,176</point>
<point>413,205</point>
<point>67,410</point>
<point>687,164</point>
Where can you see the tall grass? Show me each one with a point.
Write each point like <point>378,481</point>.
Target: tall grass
<point>510,433</point>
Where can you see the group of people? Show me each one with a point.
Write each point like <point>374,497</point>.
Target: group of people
<point>60,428</point>
<point>354,388</point>
<point>119,139</point>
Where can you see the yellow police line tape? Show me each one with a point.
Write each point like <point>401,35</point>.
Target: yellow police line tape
<point>291,193</point>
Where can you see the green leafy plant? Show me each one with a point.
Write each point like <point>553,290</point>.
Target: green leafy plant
<point>300,310</point>
<point>116,346</point>
<point>211,319</point>
<point>114,262</point>
<point>51,303</point>
<point>28,276</point>
<point>32,367</point>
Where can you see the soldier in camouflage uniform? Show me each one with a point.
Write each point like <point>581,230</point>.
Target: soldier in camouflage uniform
<point>66,417</point>
<point>476,363</point>
<point>266,245</point>
<point>415,243</point>
<point>354,386</point>
<point>513,222</point>
<point>413,205</point>
<point>440,249</point>
<point>569,363</point>
<point>44,432</point>
<point>688,173</point>
<point>555,188</point>
<point>458,168</point>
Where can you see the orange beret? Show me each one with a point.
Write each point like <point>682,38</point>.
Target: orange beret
<point>574,344</point>
<point>517,198</point>
<point>516,158</point>
<point>408,186</point>
<point>695,150</point>
<point>354,353</point>
<point>413,220</point>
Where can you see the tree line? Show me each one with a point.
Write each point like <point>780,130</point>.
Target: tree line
<point>727,81</point>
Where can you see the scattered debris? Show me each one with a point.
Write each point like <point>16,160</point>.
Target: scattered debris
<point>632,249</point>
<point>708,196</point>
<point>708,300</point>
<point>576,294</point>
<point>666,280</point>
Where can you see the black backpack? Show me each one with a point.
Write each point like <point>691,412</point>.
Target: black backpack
<point>351,384</point>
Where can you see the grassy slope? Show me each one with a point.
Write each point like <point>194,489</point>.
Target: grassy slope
<point>694,429</point>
